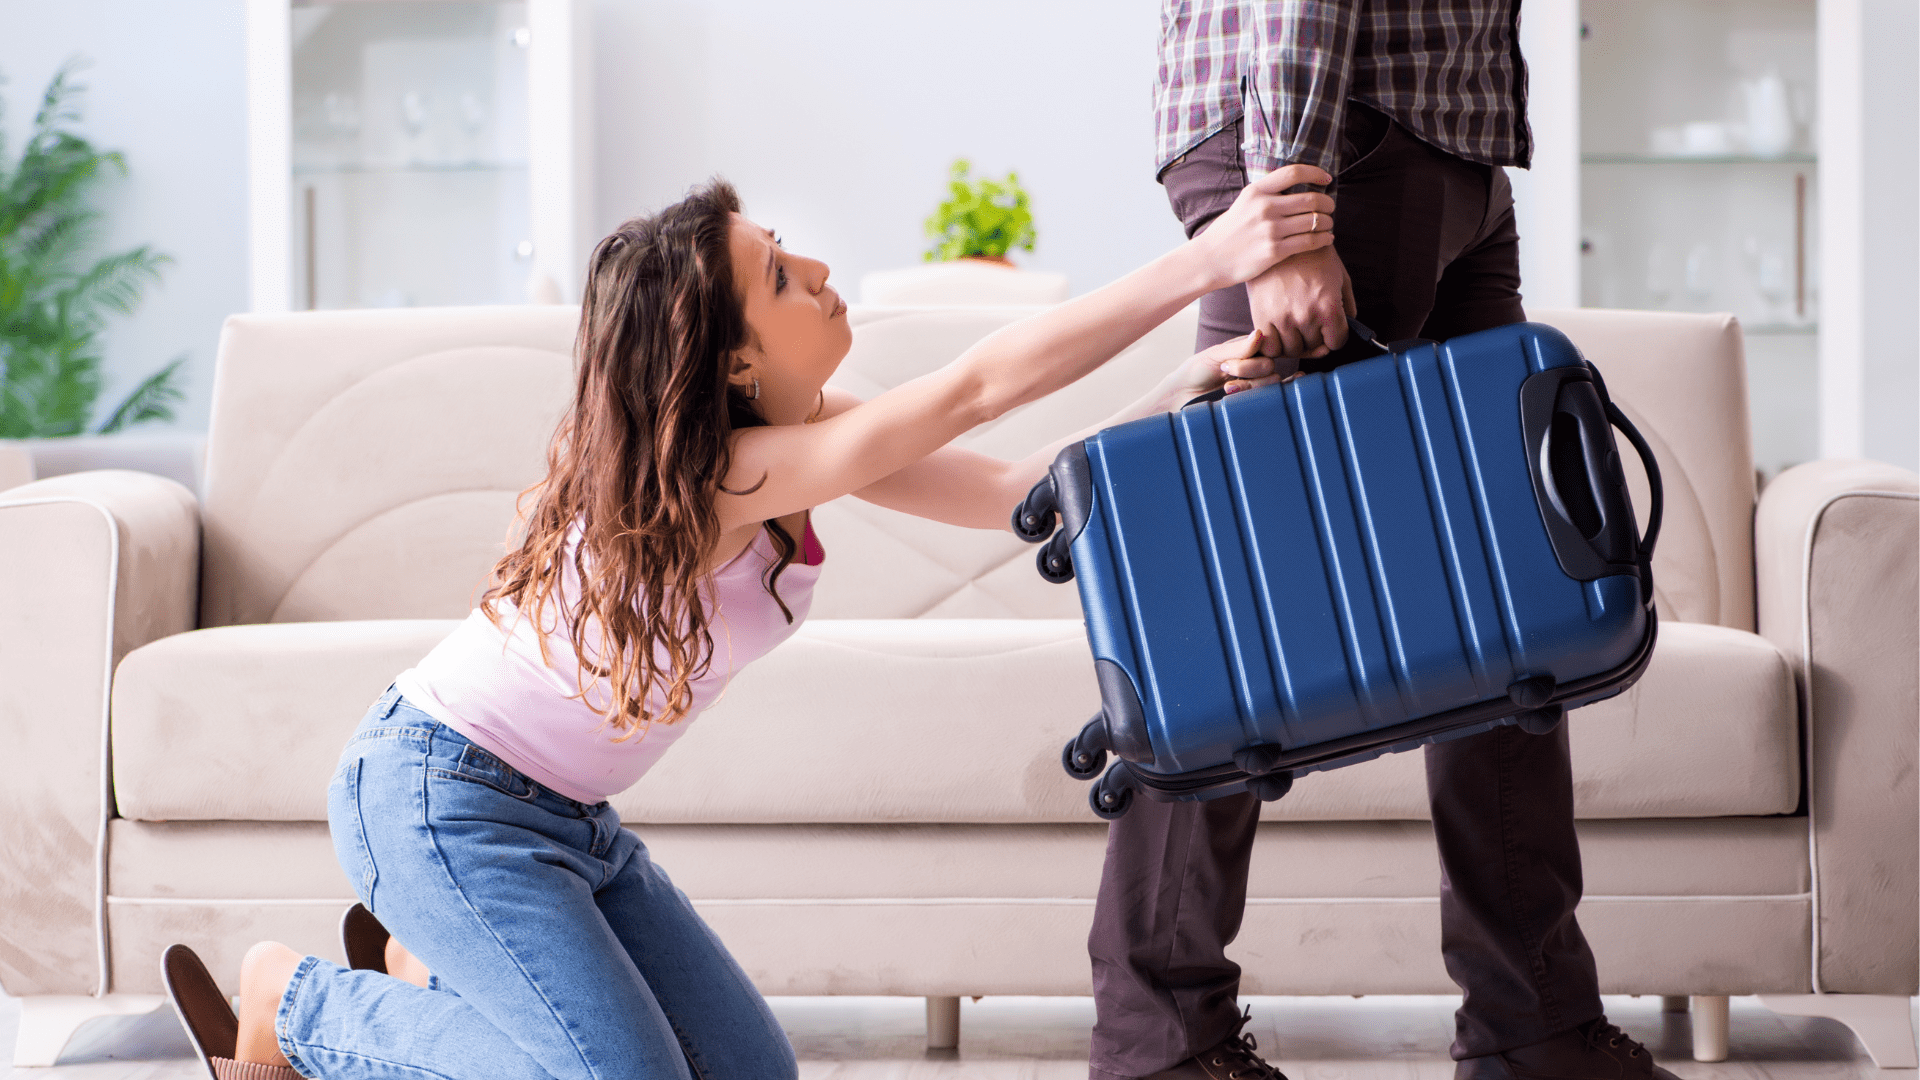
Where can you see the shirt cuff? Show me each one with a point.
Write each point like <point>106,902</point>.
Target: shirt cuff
<point>1255,172</point>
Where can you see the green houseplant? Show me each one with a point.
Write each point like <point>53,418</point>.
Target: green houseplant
<point>55,294</point>
<point>981,219</point>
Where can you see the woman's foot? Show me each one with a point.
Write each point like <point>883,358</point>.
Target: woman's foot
<point>264,974</point>
<point>403,965</point>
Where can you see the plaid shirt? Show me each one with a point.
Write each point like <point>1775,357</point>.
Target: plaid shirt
<point>1448,70</point>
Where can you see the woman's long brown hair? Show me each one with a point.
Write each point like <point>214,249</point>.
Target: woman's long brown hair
<point>636,464</point>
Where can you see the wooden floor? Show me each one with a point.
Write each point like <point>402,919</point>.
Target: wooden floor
<point>1378,1038</point>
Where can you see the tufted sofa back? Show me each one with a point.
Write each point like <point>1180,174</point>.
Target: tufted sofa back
<point>365,464</point>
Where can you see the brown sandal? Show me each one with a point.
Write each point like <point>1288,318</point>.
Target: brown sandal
<point>364,939</point>
<point>209,1019</point>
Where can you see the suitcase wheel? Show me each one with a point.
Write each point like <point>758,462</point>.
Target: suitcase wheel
<point>1532,693</point>
<point>1541,721</point>
<point>1111,794</point>
<point>1271,786</point>
<point>1086,753</point>
<point>1055,560</point>
<point>1033,519</point>
<point>1108,805</point>
<point>1257,760</point>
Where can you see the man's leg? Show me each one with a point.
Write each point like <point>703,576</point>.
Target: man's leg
<point>1502,801</point>
<point>1171,897</point>
<point>1175,881</point>
<point>1509,882</point>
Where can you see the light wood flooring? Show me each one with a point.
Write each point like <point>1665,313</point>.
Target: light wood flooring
<point>1375,1038</point>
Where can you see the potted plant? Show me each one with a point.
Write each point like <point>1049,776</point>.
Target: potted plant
<point>57,292</point>
<point>981,219</point>
<point>972,231</point>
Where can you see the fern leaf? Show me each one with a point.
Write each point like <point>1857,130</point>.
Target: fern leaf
<point>153,399</point>
<point>114,282</point>
<point>56,105</point>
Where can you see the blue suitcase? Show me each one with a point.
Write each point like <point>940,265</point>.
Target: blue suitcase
<point>1412,547</point>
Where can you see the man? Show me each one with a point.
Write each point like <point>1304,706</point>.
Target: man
<point>1414,109</point>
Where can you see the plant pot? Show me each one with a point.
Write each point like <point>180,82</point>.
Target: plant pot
<point>176,455</point>
<point>969,281</point>
<point>16,465</point>
<point>991,260</point>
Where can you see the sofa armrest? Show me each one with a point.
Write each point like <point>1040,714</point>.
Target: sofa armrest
<point>1834,551</point>
<point>92,566</point>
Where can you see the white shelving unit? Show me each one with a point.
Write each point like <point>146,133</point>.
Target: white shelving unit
<point>1699,185</point>
<point>417,152</point>
<point>1682,147</point>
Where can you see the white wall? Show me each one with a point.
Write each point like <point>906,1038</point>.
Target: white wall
<point>166,89</point>
<point>1870,238</point>
<point>837,121</point>
<point>1890,423</point>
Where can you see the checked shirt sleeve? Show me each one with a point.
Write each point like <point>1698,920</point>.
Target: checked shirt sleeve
<point>1299,62</point>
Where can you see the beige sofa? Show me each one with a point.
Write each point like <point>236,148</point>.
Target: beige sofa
<point>878,807</point>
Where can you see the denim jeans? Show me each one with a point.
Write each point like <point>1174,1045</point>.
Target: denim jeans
<point>559,949</point>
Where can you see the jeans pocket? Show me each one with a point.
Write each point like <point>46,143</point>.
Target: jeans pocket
<point>478,766</point>
<point>348,825</point>
<point>1365,131</point>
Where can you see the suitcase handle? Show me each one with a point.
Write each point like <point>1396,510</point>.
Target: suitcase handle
<point>1358,329</point>
<point>1566,415</point>
<point>1656,495</point>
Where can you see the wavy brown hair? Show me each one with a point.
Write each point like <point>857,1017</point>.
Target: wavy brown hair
<point>634,467</point>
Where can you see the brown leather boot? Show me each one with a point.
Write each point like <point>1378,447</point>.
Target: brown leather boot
<point>1595,1050</point>
<point>1233,1059</point>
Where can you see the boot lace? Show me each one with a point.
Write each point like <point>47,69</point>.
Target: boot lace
<point>1601,1035</point>
<point>1237,1055</point>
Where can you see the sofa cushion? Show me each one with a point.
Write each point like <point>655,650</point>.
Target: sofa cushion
<point>857,721</point>
<point>365,464</point>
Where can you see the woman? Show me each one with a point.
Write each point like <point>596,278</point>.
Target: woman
<point>668,545</point>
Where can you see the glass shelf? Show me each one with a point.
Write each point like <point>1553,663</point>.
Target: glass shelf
<point>417,168</point>
<point>1702,159</point>
<point>1668,84</point>
<point>409,164</point>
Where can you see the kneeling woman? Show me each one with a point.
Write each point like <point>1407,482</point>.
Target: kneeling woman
<point>668,546</point>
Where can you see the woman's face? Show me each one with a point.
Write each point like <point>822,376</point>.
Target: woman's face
<point>798,323</point>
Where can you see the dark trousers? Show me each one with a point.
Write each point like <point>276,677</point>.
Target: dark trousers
<point>1429,240</point>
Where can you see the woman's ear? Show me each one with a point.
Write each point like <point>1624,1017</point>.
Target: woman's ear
<point>740,368</point>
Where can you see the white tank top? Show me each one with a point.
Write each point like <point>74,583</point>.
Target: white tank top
<point>489,683</point>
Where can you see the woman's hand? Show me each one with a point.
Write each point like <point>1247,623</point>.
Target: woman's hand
<point>1264,227</point>
<point>1234,364</point>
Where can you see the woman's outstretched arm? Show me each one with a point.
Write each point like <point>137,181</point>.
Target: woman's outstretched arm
<point>785,468</point>
<point>978,491</point>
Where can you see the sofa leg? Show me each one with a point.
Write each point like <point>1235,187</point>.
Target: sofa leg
<point>943,1023</point>
<point>1673,1003</point>
<point>1882,1023</point>
<point>48,1021</point>
<point>1709,1027</point>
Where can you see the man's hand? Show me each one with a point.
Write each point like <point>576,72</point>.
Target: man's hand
<point>1302,306</point>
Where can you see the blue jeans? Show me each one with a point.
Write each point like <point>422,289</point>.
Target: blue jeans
<point>559,950</point>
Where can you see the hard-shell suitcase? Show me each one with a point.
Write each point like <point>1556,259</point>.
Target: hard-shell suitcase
<point>1412,547</point>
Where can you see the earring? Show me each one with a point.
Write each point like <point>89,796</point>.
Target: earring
<point>755,396</point>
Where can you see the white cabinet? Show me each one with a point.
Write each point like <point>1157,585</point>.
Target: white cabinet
<point>1699,185</point>
<point>1751,156</point>
<point>417,152</point>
